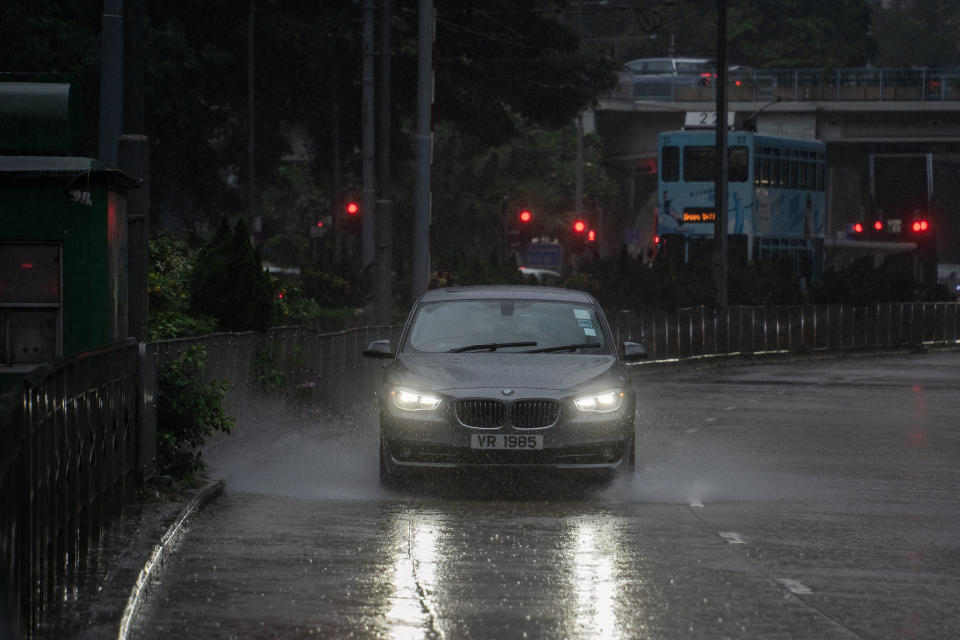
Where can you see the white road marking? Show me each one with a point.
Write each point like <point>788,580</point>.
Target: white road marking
<point>731,537</point>
<point>696,504</point>
<point>795,586</point>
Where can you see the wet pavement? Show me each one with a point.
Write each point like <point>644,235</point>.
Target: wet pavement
<point>812,499</point>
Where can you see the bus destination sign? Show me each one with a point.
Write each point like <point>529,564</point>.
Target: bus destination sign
<point>699,214</point>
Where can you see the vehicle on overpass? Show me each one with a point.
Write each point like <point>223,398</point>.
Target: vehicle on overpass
<point>776,197</point>
<point>659,78</point>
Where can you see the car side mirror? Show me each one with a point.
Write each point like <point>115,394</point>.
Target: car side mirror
<point>634,351</point>
<point>378,349</point>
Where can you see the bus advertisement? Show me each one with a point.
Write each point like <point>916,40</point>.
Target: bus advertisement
<point>776,197</point>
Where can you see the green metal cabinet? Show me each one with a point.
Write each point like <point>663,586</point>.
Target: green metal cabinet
<point>62,260</point>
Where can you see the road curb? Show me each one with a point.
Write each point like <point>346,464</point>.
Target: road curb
<point>160,552</point>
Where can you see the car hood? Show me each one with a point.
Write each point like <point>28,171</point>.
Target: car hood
<point>557,371</point>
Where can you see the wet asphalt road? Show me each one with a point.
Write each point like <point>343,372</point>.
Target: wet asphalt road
<point>815,499</point>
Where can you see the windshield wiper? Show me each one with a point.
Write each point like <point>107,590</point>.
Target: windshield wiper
<point>567,347</point>
<point>491,346</point>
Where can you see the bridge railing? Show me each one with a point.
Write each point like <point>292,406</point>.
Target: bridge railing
<point>81,435</point>
<point>806,85</point>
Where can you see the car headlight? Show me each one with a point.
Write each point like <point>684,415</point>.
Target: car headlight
<point>605,402</point>
<point>413,400</point>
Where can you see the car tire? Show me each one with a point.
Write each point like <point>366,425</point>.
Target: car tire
<point>388,475</point>
<point>630,464</point>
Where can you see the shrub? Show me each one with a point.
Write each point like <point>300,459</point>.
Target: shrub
<point>268,377</point>
<point>291,305</point>
<point>455,269</point>
<point>171,263</point>
<point>189,410</point>
<point>332,287</point>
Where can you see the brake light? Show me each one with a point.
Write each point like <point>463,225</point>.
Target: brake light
<point>858,228</point>
<point>878,225</point>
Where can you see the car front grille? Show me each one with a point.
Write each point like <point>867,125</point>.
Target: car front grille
<point>486,414</point>
<point>491,414</point>
<point>531,414</point>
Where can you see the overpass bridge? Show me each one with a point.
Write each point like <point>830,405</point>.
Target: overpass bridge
<point>857,112</point>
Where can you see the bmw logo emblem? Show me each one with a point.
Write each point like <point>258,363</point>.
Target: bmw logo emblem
<point>508,392</point>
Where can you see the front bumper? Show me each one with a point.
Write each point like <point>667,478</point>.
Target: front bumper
<point>577,440</point>
<point>414,454</point>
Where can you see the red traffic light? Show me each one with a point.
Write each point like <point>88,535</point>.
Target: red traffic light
<point>591,236</point>
<point>320,223</point>
<point>920,225</point>
<point>353,208</point>
<point>525,216</point>
<point>579,226</point>
<point>858,228</point>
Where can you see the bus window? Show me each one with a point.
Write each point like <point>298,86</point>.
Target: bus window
<point>775,168</point>
<point>765,166</point>
<point>737,167</point>
<point>670,164</point>
<point>794,170</point>
<point>698,164</point>
<point>802,170</point>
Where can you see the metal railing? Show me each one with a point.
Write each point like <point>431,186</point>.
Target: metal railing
<point>700,332</point>
<point>68,464</point>
<point>331,364</point>
<point>805,85</point>
<point>81,435</point>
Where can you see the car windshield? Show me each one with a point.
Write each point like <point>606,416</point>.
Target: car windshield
<point>506,325</point>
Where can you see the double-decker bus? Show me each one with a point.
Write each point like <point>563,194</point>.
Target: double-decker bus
<point>776,197</point>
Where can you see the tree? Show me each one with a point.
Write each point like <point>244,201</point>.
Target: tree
<point>794,34</point>
<point>520,58</point>
<point>228,282</point>
<point>535,169</point>
<point>760,33</point>
<point>900,25</point>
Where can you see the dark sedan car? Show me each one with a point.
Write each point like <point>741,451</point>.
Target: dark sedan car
<point>506,376</point>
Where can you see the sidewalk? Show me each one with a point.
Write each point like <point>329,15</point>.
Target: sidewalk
<point>95,607</point>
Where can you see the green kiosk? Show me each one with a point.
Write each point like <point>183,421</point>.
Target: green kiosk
<point>63,257</point>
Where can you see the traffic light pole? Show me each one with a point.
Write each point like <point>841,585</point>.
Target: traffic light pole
<point>369,139</point>
<point>420,276</point>
<point>720,185</point>
<point>383,285</point>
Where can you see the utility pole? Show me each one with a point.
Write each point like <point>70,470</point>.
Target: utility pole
<point>251,138</point>
<point>369,199</point>
<point>720,185</point>
<point>383,288</point>
<point>420,275</point>
<point>578,180</point>
<point>134,156</point>
<point>111,82</point>
<point>336,197</point>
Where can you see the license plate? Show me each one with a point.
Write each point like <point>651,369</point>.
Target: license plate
<point>505,441</point>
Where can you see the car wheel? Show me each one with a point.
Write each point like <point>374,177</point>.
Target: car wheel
<point>630,464</point>
<point>388,475</point>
